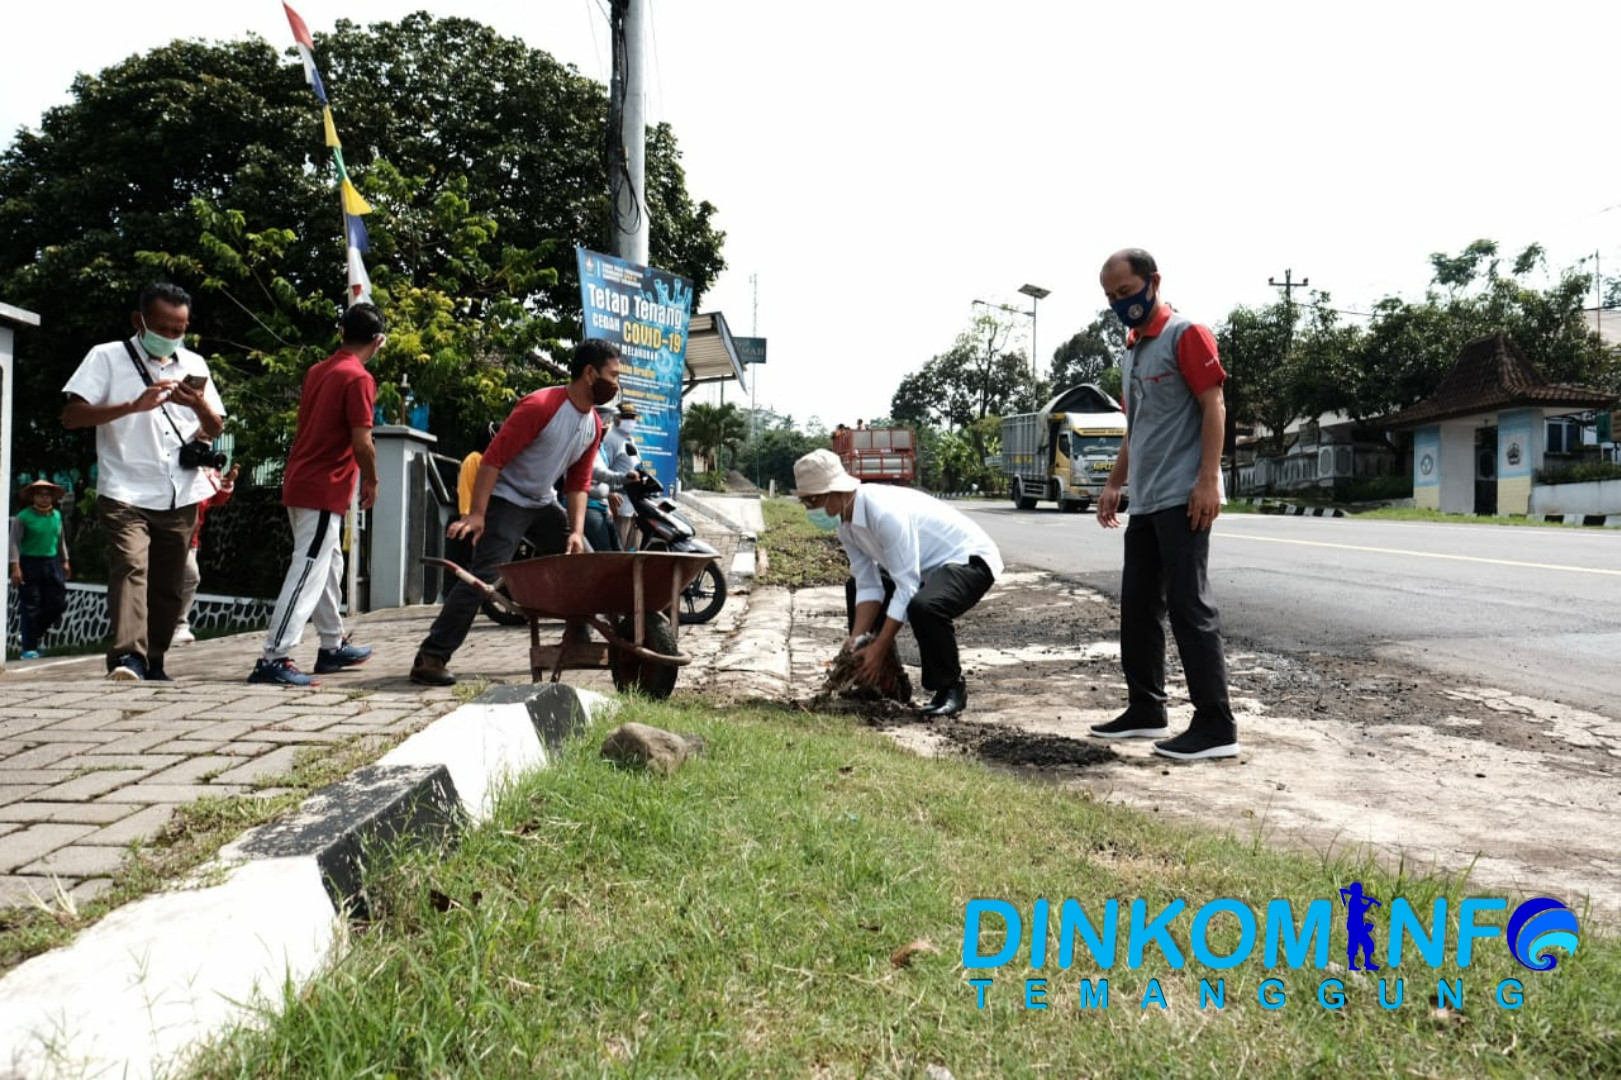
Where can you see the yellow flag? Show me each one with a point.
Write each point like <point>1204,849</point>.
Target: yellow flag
<point>352,202</point>
<point>331,129</point>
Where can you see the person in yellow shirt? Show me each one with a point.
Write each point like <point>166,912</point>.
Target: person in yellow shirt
<point>460,551</point>
<point>470,463</point>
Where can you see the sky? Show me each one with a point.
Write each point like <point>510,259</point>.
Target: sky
<point>879,167</point>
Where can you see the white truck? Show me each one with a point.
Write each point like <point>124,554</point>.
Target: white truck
<point>1064,452</point>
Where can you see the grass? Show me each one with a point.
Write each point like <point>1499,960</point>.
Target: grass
<point>1396,513</point>
<point>193,836</point>
<point>799,556</point>
<point>792,904</point>
<point>1414,513</point>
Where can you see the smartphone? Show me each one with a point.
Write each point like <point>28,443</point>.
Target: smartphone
<point>196,382</point>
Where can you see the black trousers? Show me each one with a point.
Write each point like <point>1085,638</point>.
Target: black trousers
<point>42,599</point>
<point>505,524</point>
<point>947,594</point>
<point>1166,575</point>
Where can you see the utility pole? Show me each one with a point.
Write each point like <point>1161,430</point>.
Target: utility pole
<point>754,379</point>
<point>627,118</point>
<point>1289,285</point>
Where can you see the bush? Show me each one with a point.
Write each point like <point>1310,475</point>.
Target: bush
<point>709,481</point>
<point>1373,489</point>
<point>1580,472</point>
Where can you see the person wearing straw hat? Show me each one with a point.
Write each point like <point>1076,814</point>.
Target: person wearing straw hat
<point>913,560</point>
<point>39,563</point>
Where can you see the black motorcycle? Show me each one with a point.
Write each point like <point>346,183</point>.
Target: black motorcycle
<point>660,527</point>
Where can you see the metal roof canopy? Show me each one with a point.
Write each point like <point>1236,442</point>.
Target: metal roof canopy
<point>711,353</point>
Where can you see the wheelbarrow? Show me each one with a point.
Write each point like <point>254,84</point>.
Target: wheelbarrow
<point>631,598</point>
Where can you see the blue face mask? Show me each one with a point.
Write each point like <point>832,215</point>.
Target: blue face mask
<point>823,520</point>
<point>1133,310</point>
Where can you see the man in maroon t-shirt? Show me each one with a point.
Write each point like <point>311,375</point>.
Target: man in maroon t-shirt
<point>333,445</point>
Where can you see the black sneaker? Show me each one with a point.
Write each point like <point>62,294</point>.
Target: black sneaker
<point>128,668</point>
<point>281,672</point>
<point>344,656</point>
<point>1129,725</point>
<point>1194,745</point>
<point>157,674</point>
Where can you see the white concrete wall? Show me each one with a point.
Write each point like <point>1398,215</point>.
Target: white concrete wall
<point>1593,497</point>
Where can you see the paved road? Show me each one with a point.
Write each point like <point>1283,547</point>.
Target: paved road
<point>1532,610</point>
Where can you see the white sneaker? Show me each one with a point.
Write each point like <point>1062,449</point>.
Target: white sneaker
<point>183,637</point>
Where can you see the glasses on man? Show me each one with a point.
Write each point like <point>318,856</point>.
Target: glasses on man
<point>811,502</point>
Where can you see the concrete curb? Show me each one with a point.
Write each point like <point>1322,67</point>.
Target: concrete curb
<point>135,993</point>
<point>744,566</point>
<point>698,506</point>
<point>1595,521</point>
<point>1292,510</point>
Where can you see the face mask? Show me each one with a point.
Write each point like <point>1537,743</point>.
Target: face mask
<point>823,520</point>
<point>155,345</point>
<point>628,426</point>
<point>1133,310</point>
<point>603,391</point>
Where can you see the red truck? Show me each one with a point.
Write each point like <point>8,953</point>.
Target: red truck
<point>885,455</point>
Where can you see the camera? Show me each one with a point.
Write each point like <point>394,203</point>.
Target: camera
<point>196,454</point>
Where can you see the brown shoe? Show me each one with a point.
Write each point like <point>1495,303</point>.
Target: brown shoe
<point>431,671</point>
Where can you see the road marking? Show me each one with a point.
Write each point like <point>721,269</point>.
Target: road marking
<point>1426,554</point>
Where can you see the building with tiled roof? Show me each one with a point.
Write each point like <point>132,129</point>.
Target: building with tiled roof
<point>1479,438</point>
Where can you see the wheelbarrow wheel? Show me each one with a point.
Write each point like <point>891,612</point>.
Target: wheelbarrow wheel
<point>703,599</point>
<point>632,672</point>
<point>498,614</point>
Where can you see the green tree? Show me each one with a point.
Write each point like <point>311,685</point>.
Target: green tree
<point>973,379</point>
<point>774,447</point>
<point>707,429</point>
<point>1254,347</point>
<point>447,125</point>
<point>1090,352</point>
<point>457,339</point>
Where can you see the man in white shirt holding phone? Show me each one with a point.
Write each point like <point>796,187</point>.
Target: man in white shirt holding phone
<point>155,410</point>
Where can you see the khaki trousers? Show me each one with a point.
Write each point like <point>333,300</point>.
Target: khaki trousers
<point>146,569</point>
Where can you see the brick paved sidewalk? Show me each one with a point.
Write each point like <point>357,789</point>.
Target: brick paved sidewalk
<point>89,766</point>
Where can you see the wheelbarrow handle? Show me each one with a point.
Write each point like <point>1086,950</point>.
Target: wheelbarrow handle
<point>478,583</point>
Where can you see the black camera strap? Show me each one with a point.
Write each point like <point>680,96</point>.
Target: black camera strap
<point>146,377</point>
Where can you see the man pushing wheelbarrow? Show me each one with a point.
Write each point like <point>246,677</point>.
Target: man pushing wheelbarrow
<point>552,434</point>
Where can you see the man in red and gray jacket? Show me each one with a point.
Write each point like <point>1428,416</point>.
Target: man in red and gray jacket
<point>1175,418</point>
<point>552,434</point>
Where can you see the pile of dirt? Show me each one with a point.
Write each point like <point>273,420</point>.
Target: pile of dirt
<point>738,484</point>
<point>1007,745</point>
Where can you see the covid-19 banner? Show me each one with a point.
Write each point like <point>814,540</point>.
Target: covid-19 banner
<point>645,312</point>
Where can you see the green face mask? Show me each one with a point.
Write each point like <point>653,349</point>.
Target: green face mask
<point>157,345</point>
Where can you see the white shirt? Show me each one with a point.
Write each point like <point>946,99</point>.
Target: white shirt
<point>908,535</point>
<point>620,454</point>
<point>138,455</point>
